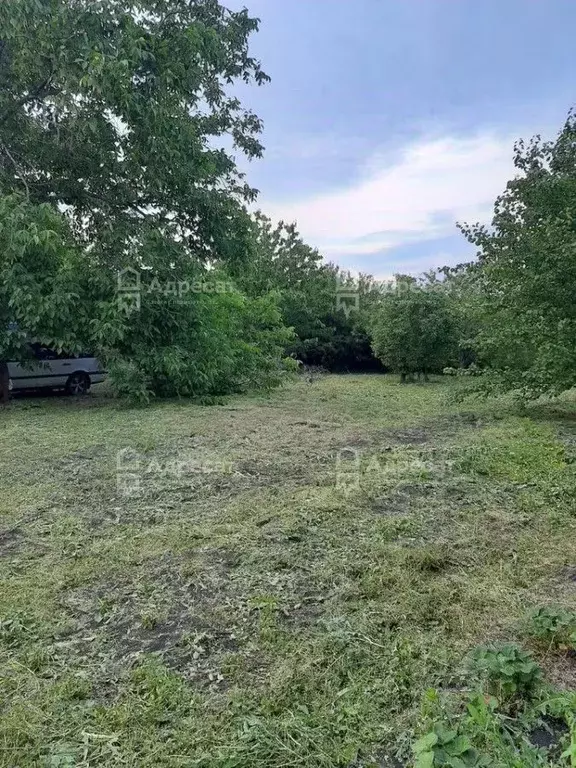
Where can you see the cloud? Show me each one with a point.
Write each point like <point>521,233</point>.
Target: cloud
<point>415,195</point>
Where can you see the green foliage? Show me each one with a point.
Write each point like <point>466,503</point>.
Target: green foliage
<point>507,671</point>
<point>527,271</point>
<point>483,733</point>
<point>553,626</point>
<point>570,752</point>
<point>446,747</point>
<point>45,292</point>
<point>198,345</point>
<point>113,114</point>
<point>414,328</point>
<point>472,370</point>
<point>326,334</point>
<point>113,110</point>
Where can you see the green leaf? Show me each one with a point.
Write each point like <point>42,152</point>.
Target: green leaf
<point>425,743</point>
<point>425,760</point>
<point>458,745</point>
<point>445,736</point>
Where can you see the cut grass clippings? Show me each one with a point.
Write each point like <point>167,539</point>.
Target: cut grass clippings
<point>288,578</point>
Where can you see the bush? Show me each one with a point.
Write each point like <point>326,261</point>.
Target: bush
<point>414,329</point>
<point>553,626</point>
<point>507,671</point>
<point>446,747</point>
<point>199,345</point>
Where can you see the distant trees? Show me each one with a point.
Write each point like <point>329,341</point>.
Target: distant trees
<point>414,327</point>
<point>328,332</point>
<point>512,311</point>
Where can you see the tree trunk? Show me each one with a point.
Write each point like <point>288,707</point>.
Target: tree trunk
<point>4,383</point>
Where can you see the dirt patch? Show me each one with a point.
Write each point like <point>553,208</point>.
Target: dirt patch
<point>164,613</point>
<point>408,436</point>
<point>10,541</point>
<point>184,643</point>
<point>548,735</point>
<point>305,613</point>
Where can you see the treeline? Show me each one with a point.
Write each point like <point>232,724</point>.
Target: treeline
<point>124,230</point>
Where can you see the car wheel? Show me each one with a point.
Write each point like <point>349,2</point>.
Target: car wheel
<point>78,384</point>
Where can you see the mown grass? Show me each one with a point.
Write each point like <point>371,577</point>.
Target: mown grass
<point>295,573</point>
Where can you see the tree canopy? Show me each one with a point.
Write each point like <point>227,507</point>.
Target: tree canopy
<point>526,271</point>
<point>414,329</point>
<point>114,111</point>
<point>115,117</point>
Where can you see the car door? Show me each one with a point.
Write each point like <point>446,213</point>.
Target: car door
<point>92,367</point>
<point>28,376</point>
<point>61,366</point>
<point>46,368</point>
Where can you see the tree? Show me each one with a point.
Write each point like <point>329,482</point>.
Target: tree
<point>329,333</point>
<point>113,109</point>
<point>45,292</point>
<point>111,115</point>
<point>414,329</point>
<point>463,287</point>
<point>527,271</point>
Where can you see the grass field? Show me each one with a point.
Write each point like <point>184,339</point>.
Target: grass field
<point>276,581</point>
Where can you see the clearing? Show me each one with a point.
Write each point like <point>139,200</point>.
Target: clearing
<point>273,582</point>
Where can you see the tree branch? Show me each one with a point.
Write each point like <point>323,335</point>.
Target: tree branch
<point>17,167</point>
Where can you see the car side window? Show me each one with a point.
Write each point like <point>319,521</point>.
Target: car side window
<point>41,352</point>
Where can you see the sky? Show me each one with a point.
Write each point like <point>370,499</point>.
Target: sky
<point>387,121</point>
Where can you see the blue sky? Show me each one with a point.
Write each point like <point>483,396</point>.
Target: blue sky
<point>386,121</point>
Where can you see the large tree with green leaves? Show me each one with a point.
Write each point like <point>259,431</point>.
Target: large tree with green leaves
<point>527,271</point>
<point>115,115</point>
<point>115,110</point>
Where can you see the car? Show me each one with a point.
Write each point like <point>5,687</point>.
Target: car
<point>48,369</point>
